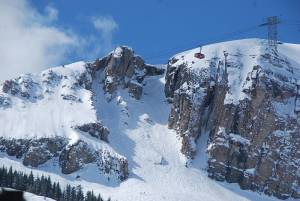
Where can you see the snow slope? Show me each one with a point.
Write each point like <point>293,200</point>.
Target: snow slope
<point>242,56</point>
<point>138,130</point>
<point>55,116</point>
<point>32,197</point>
<point>56,104</point>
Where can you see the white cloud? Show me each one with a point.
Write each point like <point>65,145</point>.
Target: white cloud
<point>52,13</point>
<point>106,26</point>
<point>28,42</point>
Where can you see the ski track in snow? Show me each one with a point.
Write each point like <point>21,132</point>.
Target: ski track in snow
<point>138,130</point>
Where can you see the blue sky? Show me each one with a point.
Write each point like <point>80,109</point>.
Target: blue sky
<point>157,29</point>
<point>43,33</point>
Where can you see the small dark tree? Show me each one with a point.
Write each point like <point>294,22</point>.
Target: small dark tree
<point>9,178</point>
<point>67,193</point>
<point>80,195</point>
<point>99,198</point>
<point>73,194</point>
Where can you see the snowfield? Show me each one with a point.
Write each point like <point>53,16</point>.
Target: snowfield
<point>138,131</point>
<point>32,197</point>
<point>45,113</point>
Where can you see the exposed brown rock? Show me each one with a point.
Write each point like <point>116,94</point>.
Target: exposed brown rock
<point>96,130</point>
<point>36,156</point>
<point>73,158</point>
<point>122,68</point>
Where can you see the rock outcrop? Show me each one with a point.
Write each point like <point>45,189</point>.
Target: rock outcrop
<point>75,156</point>
<point>113,164</point>
<point>35,152</point>
<point>4,101</point>
<point>251,113</point>
<point>36,156</point>
<point>96,130</point>
<point>135,89</point>
<point>123,69</point>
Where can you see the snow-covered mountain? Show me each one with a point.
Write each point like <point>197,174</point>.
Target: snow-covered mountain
<point>134,131</point>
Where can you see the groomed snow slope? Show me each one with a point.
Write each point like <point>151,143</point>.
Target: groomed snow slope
<point>138,130</point>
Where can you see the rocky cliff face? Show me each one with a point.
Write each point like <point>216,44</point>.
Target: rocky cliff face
<point>246,98</point>
<point>123,69</point>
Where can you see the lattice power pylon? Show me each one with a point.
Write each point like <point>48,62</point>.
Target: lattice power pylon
<point>272,32</point>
